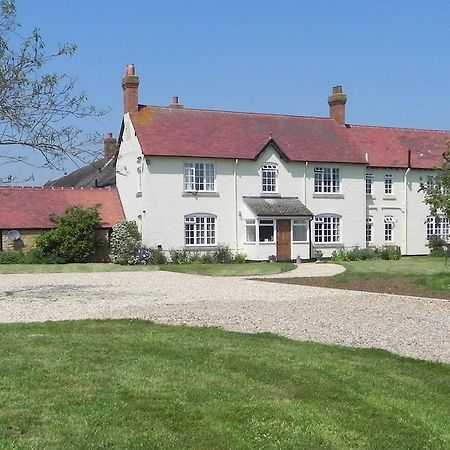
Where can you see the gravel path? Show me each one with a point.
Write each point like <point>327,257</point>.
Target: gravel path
<point>408,326</point>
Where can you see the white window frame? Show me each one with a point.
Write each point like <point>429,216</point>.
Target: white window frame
<point>327,229</point>
<point>439,227</point>
<point>369,183</point>
<point>388,184</point>
<point>251,224</point>
<point>389,225</point>
<point>199,177</point>
<point>369,229</point>
<point>200,230</point>
<point>327,180</point>
<point>300,223</point>
<point>269,178</point>
<point>262,223</point>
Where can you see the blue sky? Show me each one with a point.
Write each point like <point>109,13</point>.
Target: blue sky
<point>392,57</point>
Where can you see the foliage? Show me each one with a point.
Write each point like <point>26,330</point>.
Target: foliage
<point>437,245</point>
<point>125,242</point>
<point>221,255</point>
<point>203,388</point>
<point>12,257</point>
<point>362,254</point>
<point>74,239</point>
<point>437,193</point>
<point>179,256</point>
<point>39,109</point>
<point>148,255</point>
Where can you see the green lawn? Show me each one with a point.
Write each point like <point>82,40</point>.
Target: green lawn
<point>203,269</point>
<point>133,384</point>
<point>230,269</point>
<point>408,265</point>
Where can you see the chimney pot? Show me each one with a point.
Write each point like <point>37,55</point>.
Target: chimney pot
<point>130,70</point>
<point>175,100</point>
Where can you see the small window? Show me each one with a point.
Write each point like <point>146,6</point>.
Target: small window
<point>388,184</point>
<point>327,180</point>
<point>389,229</point>
<point>250,231</point>
<point>369,183</point>
<point>327,229</point>
<point>266,230</point>
<point>369,229</point>
<point>200,230</point>
<point>269,178</point>
<point>199,177</point>
<point>300,230</point>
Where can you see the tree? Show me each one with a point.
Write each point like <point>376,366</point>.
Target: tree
<point>39,110</point>
<point>437,189</point>
<point>75,237</point>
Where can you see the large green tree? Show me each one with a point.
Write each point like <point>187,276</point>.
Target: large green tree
<point>40,110</point>
<point>437,188</point>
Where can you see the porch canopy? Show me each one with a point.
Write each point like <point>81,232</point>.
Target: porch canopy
<point>277,207</point>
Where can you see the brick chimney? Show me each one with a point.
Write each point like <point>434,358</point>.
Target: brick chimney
<point>130,83</point>
<point>337,102</point>
<point>176,103</point>
<point>109,146</point>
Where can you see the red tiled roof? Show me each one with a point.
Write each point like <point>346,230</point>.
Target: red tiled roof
<point>26,208</point>
<point>388,147</point>
<point>166,131</point>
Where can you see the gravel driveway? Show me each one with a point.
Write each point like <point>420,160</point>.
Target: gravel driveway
<point>409,326</point>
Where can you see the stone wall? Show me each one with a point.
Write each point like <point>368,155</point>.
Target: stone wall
<point>28,240</point>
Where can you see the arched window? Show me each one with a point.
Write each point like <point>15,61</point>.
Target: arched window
<point>200,229</point>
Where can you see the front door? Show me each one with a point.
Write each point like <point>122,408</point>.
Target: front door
<point>283,240</point>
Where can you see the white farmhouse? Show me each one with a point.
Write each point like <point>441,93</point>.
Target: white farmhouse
<point>267,184</point>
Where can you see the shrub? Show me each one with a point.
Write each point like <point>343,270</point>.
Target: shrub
<point>179,256</point>
<point>437,245</point>
<point>74,238</point>
<point>240,258</point>
<point>362,254</point>
<point>125,242</point>
<point>12,257</point>
<point>222,255</point>
<point>148,255</point>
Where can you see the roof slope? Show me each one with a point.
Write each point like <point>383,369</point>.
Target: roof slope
<point>27,208</point>
<point>388,147</point>
<point>277,206</point>
<point>166,131</point>
<point>100,174</point>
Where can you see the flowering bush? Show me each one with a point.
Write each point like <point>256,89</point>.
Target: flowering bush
<point>148,255</point>
<point>125,242</point>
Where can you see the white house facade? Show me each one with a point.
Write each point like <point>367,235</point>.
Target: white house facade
<point>269,185</point>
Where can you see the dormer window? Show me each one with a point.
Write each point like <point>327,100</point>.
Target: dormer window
<point>199,177</point>
<point>269,174</point>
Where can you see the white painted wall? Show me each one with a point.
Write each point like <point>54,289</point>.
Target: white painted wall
<point>151,191</point>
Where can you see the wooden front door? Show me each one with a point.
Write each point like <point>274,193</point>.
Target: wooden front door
<point>283,240</point>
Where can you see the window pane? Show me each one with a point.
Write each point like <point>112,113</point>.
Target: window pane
<point>266,231</point>
<point>327,180</point>
<point>200,230</point>
<point>300,231</point>
<point>250,232</point>
<point>327,229</point>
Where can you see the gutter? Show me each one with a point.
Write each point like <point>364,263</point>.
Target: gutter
<point>235,206</point>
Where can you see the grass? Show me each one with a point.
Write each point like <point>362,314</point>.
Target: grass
<point>421,276</point>
<point>230,269</point>
<point>133,384</point>
<point>202,269</point>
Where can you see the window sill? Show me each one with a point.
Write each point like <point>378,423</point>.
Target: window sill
<point>266,242</point>
<point>200,194</point>
<point>329,245</point>
<point>389,197</point>
<point>328,195</point>
<point>270,194</point>
<point>300,242</point>
<point>249,243</point>
<point>204,248</point>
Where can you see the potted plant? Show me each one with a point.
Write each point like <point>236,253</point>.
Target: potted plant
<point>272,258</point>
<point>318,254</point>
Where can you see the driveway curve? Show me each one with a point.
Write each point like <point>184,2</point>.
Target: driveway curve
<point>409,326</point>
